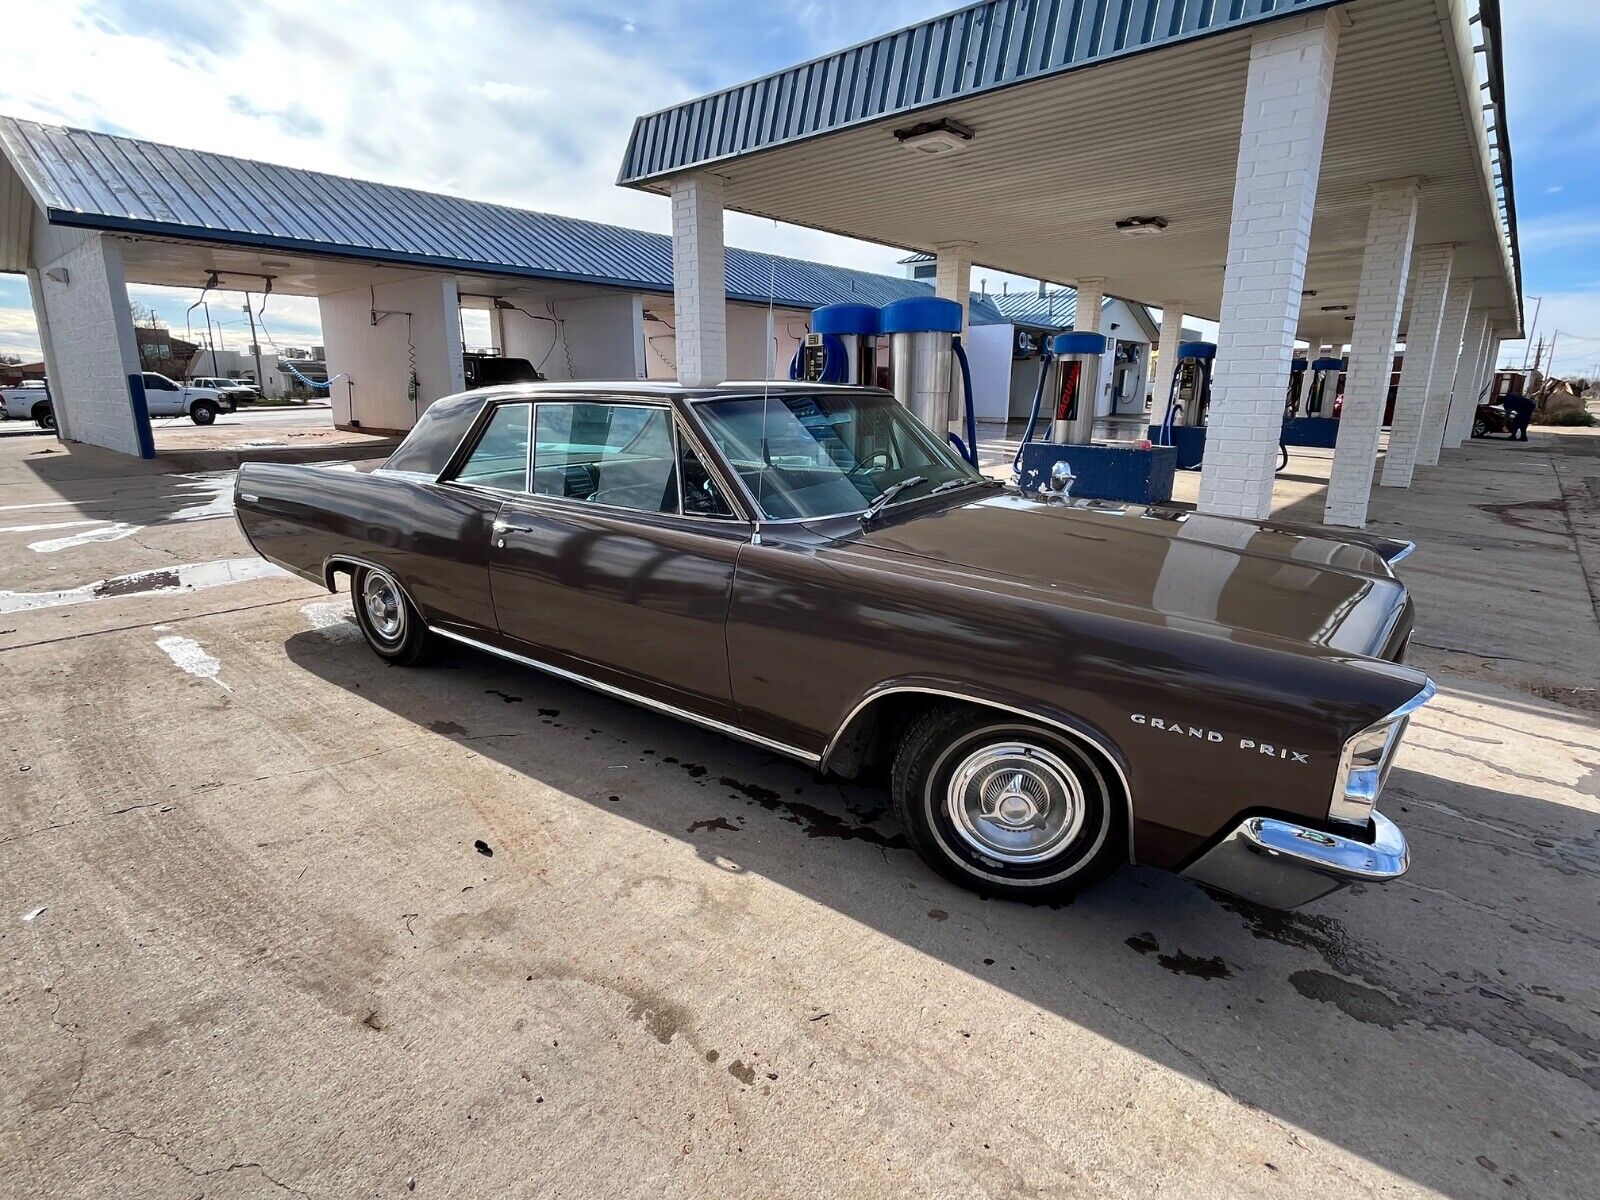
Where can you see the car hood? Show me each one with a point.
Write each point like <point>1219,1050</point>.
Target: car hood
<point>1216,575</point>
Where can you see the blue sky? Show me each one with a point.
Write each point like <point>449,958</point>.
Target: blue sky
<point>530,103</point>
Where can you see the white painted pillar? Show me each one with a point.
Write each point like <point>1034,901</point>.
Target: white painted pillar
<point>86,329</point>
<point>1167,358</point>
<point>1464,396</point>
<point>699,281</point>
<point>1287,89</point>
<point>1447,365</point>
<point>952,278</point>
<point>1385,261</point>
<point>1091,298</point>
<point>1430,283</point>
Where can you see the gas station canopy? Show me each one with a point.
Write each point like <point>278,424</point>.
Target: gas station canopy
<point>1099,140</point>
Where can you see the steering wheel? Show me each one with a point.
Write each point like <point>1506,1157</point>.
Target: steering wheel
<point>877,461</point>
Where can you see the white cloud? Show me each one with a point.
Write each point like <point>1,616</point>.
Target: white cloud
<point>18,334</point>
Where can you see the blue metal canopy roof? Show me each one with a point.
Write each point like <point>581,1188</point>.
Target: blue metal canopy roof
<point>976,49</point>
<point>98,181</point>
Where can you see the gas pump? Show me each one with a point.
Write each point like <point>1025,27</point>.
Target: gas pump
<point>924,351</point>
<point>1297,381</point>
<point>1077,380</point>
<point>1190,398</point>
<point>1325,374</point>
<point>841,347</point>
<point>1317,427</point>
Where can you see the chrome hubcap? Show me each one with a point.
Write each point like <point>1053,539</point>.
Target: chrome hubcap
<point>1015,802</point>
<point>381,600</point>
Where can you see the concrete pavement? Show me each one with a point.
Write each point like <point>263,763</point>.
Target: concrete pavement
<point>278,919</point>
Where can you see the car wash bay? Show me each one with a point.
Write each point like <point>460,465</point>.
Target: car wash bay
<point>85,214</point>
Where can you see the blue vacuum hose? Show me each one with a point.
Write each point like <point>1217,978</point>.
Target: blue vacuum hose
<point>1045,359</point>
<point>969,450</point>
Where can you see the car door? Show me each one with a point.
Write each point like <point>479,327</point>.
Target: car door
<point>162,398</point>
<point>600,566</point>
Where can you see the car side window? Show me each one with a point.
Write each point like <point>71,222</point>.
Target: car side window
<point>701,495</point>
<point>158,383</point>
<point>500,459</point>
<point>616,454</point>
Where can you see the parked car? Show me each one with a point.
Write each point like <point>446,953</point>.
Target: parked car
<point>1053,687</point>
<point>28,401</point>
<point>165,397</point>
<point>1488,419</point>
<point>491,370</point>
<point>240,391</point>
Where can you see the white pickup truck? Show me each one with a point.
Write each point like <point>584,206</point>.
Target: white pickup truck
<point>28,402</point>
<point>164,397</point>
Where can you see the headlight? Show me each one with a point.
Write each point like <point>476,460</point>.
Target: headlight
<point>1364,765</point>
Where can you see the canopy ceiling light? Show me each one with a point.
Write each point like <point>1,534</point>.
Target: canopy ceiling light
<point>1141,226</point>
<point>935,138</point>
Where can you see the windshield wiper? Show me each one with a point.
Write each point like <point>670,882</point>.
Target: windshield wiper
<point>888,494</point>
<point>950,485</point>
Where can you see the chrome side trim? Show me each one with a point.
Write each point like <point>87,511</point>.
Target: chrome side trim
<point>1093,742</point>
<point>654,705</point>
<point>1406,551</point>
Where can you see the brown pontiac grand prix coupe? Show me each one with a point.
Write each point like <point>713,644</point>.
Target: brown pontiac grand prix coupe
<point>1052,686</point>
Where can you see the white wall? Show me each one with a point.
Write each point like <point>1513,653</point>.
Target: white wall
<point>749,348</point>
<point>603,337</point>
<point>375,359</point>
<point>541,341</point>
<point>989,350</point>
<point>87,332</point>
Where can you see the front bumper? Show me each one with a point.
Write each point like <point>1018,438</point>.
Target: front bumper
<point>1283,865</point>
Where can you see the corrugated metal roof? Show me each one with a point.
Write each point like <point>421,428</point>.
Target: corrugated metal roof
<point>977,49</point>
<point>99,181</point>
<point>1055,309</point>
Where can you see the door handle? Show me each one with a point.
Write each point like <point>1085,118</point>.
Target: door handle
<point>503,527</point>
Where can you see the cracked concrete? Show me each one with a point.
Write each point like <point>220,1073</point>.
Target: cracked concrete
<point>273,958</point>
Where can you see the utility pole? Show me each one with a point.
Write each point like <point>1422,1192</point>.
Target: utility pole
<point>255,346</point>
<point>1538,355</point>
<point>1550,367</point>
<point>212,339</point>
<point>1533,328</point>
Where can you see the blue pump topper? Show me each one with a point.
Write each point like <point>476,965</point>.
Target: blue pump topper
<point>921,314</point>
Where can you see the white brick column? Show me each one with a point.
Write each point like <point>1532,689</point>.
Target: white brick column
<point>699,282</point>
<point>1469,382</point>
<point>1091,297</point>
<point>1166,358</point>
<point>953,277</point>
<point>1385,262</point>
<point>1430,282</point>
<point>1447,365</point>
<point>78,287</point>
<point>1275,190</point>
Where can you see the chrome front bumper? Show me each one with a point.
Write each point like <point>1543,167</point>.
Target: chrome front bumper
<point>1284,865</point>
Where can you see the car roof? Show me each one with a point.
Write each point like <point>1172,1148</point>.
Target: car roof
<point>659,387</point>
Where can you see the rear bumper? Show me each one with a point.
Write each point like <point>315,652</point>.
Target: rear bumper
<point>1283,865</point>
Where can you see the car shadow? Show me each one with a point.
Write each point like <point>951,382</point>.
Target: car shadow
<point>1389,1021</point>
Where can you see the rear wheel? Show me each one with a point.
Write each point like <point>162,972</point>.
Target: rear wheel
<point>391,625</point>
<point>203,413</point>
<point>44,416</point>
<point>1007,807</point>
<point>1480,427</point>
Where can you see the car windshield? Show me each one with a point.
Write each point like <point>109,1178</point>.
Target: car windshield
<point>826,454</point>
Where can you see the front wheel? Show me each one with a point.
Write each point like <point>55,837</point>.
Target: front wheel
<point>1480,428</point>
<point>1007,807</point>
<point>203,413</point>
<point>391,625</point>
